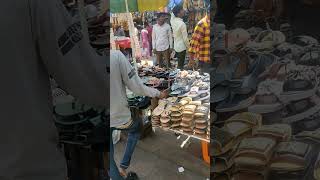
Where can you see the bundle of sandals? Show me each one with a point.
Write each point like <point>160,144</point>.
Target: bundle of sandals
<point>192,84</point>
<point>265,103</point>
<point>183,114</point>
<point>244,148</point>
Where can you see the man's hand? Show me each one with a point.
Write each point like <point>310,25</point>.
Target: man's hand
<point>191,64</point>
<point>164,94</point>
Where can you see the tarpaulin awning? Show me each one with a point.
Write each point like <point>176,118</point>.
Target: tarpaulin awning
<point>152,5</point>
<point>119,6</point>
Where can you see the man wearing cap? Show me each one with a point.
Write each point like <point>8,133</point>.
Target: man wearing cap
<point>180,35</point>
<point>162,42</point>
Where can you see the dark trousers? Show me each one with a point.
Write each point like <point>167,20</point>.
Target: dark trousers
<point>181,58</point>
<point>163,58</point>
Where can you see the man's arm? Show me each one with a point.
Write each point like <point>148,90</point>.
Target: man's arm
<point>170,37</point>
<point>185,35</point>
<point>153,37</point>
<point>132,80</point>
<point>67,56</point>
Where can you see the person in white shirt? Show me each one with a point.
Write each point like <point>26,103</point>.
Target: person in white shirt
<point>122,76</point>
<point>180,34</point>
<point>162,42</point>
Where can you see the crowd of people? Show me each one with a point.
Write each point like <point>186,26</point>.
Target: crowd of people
<point>168,37</point>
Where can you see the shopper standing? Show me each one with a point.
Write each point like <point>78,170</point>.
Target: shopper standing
<point>40,38</point>
<point>180,35</point>
<point>162,43</point>
<point>149,29</point>
<point>123,76</point>
<point>200,45</point>
<point>145,42</point>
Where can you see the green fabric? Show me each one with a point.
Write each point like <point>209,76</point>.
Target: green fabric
<point>119,6</point>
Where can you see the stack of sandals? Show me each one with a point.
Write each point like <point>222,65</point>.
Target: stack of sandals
<point>165,118</point>
<point>225,139</point>
<point>156,114</point>
<point>201,120</point>
<point>187,115</point>
<point>295,96</point>
<point>176,115</point>
<point>249,150</point>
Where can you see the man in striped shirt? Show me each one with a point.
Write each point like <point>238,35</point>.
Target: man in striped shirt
<point>200,44</point>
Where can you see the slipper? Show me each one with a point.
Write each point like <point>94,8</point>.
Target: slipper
<point>236,102</point>
<point>223,162</point>
<point>310,58</point>
<point>267,97</point>
<point>291,159</point>
<point>132,176</point>
<point>310,137</point>
<point>278,132</point>
<point>253,154</point>
<point>243,123</point>
<point>301,82</point>
<point>221,141</point>
<point>305,41</point>
<point>299,110</point>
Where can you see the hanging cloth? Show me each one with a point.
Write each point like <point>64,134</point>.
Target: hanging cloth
<point>147,5</point>
<point>119,6</point>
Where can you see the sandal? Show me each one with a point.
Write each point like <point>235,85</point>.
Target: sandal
<point>299,110</point>
<point>278,132</point>
<point>310,58</point>
<point>310,137</point>
<point>301,82</point>
<point>253,154</point>
<point>223,163</point>
<point>291,159</point>
<point>221,141</point>
<point>234,129</point>
<point>267,97</point>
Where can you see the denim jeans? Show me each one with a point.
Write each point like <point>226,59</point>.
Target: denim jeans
<point>133,137</point>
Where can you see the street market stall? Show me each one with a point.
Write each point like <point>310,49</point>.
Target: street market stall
<point>186,110</point>
<point>267,104</point>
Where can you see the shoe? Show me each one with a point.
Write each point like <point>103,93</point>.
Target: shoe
<point>132,176</point>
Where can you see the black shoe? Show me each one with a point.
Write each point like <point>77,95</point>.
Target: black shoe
<point>132,176</point>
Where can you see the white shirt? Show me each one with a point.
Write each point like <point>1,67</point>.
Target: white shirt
<point>123,75</point>
<point>49,42</point>
<point>162,37</point>
<point>180,34</point>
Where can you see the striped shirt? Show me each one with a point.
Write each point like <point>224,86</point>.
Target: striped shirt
<point>200,42</point>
